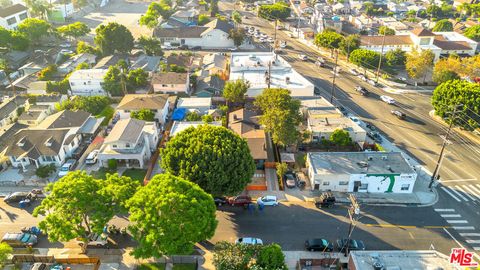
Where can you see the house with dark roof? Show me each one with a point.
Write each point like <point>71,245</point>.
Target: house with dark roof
<point>9,109</point>
<point>440,43</point>
<point>171,83</point>
<point>213,35</point>
<point>52,141</point>
<point>131,142</point>
<point>182,17</point>
<point>13,15</point>
<point>157,103</point>
<point>210,86</point>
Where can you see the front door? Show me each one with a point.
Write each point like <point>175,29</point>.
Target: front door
<point>356,185</point>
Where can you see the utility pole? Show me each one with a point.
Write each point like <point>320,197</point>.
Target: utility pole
<point>445,141</point>
<point>334,76</point>
<point>352,212</point>
<point>268,78</point>
<point>381,55</point>
<point>275,36</point>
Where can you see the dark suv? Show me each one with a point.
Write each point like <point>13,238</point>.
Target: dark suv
<point>361,90</point>
<point>318,244</point>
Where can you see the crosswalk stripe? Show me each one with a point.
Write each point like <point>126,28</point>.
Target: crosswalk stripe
<point>459,228</point>
<point>451,195</point>
<point>450,215</point>
<point>469,234</point>
<point>444,210</point>
<point>458,193</point>
<point>466,193</point>
<point>473,241</point>
<point>457,221</point>
<point>478,185</point>
<point>475,190</point>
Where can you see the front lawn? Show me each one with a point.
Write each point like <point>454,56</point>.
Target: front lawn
<point>151,266</point>
<point>184,266</point>
<point>101,173</point>
<point>136,174</point>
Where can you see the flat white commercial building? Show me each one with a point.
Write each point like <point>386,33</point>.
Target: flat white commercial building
<point>200,105</point>
<point>373,172</point>
<point>254,67</point>
<point>87,82</point>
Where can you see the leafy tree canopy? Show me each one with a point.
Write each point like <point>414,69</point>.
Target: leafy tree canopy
<point>151,45</point>
<point>93,104</point>
<point>271,257</point>
<point>231,256</point>
<point>203,19</point>
<point>215,158</point>
<point>384,30</point>
<point>143,114</point>
<point>79,205</point>
<point>47,73</point>
<point>349,44</point>
<point>5,251</point>
<point>83,47</point>
<point>74,30</point>
<point>473,32</point>
<point>279,11</point>
<point>137,78</point>
<point>341,137</point>
<point>113,37</point>
<point>443,26</point>
<point>112,82</point>
<point>170,215</point>
<point>192,117</point>
<point>418,63</point>
<point>454,92</point>
<point>281,115</point>
<point>365,58</point>
<point>234,91</point>
<point>34,28</point>
<point>328,39</point>
<point>395,57</point>
<point>237,35</point>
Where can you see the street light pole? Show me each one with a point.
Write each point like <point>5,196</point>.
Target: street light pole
<point>445,141</point>
<point>334,76</point>
<point>352,212</point>
<point>381,55</point>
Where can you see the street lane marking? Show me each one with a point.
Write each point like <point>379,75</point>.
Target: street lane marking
<point>411,235</point>
<point>450,215</point>
<point>473,190</point>
<point>435,227</point>
<point>406,226</point>
<point>444,210</point>
<point>473,241</point>
<point>457,180</point>
<point>449,193</point>
<point>457,221</point>
<point>458,193</point>
<point>459,228</point>
<point>469,234</point>
<point>466,193</point>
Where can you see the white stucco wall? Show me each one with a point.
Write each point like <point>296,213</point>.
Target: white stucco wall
<point>4,21</point>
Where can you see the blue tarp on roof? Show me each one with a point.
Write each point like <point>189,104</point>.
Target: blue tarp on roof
<point>179,114</point>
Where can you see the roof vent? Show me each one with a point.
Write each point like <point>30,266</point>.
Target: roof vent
<point>21,142</point>
<point>384,157</point>
<point>378,266</point>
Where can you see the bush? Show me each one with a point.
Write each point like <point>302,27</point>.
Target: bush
<point>112,164</point>
<point>93,104</point>
<point>47,73</point>
<point>45,171</point>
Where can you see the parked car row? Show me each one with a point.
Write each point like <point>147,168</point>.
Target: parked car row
<point>323,245</point>
<point>245,200</point>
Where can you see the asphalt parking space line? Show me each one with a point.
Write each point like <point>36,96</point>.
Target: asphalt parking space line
<point>407,226</point>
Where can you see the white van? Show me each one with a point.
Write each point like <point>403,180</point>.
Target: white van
<point>92,157</point>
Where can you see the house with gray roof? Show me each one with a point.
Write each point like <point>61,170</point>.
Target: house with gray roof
<point>131,142</point>
<point>9,109</point>
<point>213,35</point>
<point>12,15</point>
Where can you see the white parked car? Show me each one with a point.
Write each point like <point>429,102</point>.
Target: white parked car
<point>303,57</point>
<point>283,44</point>
<point>268,200</point>
<point>387,99</point>
<point>96,240</point>
<point>271,40</point>
<point>67,167</point>
<point>372,82</point>
<point>353,72</point>
<point>249,241</point>
<point>92,157</point>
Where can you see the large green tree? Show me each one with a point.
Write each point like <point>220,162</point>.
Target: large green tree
<point>384,30</point>
<point>143,114</point>
<point>74,30</point>
<point>203,19</point>
<point>113,37</point>
<point>237,35</point>
<point>341,137</point>
<point>458,92</point>
<point>349,44</point>
<point>112,82</point>
<point>5,251</point>
<point>365,58</point>
<point>231,256</point>
<point>34,28</point>
<point>92,104</point>
<point>419,63</point>
<point>281,115</point>
<point>137,78</point>
<point>169,215</point>
<point>271,257</point>
<point>156,10</point>
<point>151,45</point>
<point>277,11</point>
<point>395,57</point>
<point>473,32</point>
<point>78,205</point>
<point>443,25</point>
<point>234,91</point>
<point>328,39</point>
<point>215,158</point>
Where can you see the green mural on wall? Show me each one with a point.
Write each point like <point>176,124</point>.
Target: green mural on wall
<point>391,176</point>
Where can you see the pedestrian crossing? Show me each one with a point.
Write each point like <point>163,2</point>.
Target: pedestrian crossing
<point>461,226</point>
<point>463,193</point>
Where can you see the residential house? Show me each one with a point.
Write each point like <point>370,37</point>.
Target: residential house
<point>53,141</point>
<point>246,124</point>
<point>6,133</point>
<point>305,9</point>
<point>213,35</point>
<point>188,17</point>
<point>179,126</point>
<point>9,109</point>
<point>364,22</point>
<point>33,116</point>
<point>372,172</point>
<point>195,104</point>
<point>440,43</point>
<point>146,62</point>
<point>87,82</point>
<point>341,8</point>
<point>108,61</point>
<point>215,64</point>
<point>210,86</point>
<point>49,100</point>
<point>72,63</point>
<point>180,60</point>
<point>322,20</point>
<point>397,8</point>
<point>158,103</point>
<point>12,16</point>
<point>16,59</point>
<point>171,83</point>
<point>131,142</point>
<point>173,23</point>
<point>254,66</point>
<point>394,24</point>
<point>30,84</point>
<point>323,118</point>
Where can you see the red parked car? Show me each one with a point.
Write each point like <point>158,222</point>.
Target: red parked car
<point>241,200</point>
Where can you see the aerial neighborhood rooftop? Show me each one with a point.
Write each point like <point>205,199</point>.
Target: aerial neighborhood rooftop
<point>189,134</point>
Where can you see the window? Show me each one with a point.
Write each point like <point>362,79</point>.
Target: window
<point>363,187</point>
<point>23,16</point>
<point>11,21</point>
<point>127,145</point>
<point>424,41</point>
<point>405,187</point>
<point>48,158</point>
<point>343,183</point>
<point>164,85</point>
<point>326,183</point>
<point>114,146</point>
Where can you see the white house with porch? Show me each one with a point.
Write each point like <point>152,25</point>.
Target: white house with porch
<point>131,142</point>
